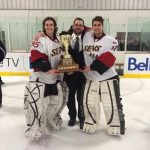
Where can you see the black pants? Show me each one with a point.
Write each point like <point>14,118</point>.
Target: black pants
<point>75,82</point>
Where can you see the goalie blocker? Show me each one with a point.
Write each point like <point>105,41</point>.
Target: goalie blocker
<point>108,93</point>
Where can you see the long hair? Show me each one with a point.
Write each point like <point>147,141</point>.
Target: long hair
<point>55,26</point>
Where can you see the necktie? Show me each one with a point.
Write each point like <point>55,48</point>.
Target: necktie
<point>76,45</point>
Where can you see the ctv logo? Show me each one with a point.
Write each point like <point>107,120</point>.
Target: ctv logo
<point>133,64</point>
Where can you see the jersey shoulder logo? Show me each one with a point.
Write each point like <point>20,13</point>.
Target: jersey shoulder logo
<point>35,44</point>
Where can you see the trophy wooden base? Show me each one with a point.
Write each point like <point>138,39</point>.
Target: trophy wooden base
<point>69,68</point>
<point>68,65</point>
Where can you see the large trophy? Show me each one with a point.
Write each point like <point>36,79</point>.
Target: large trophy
<point>67,64</point>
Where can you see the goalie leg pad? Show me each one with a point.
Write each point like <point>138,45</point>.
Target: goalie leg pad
<point>91,106</point>
<point>111,105</point>
<point>35,109</point>
<point>55,107</point>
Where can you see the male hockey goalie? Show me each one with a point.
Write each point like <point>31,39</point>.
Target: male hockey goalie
<point>44,95</point>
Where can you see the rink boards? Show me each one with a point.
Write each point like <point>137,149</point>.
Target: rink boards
<point>133,65</point>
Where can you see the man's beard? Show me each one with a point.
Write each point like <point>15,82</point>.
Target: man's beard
<point>78,32</point>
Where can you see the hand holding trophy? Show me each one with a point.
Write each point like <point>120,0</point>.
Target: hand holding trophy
<point>67,64</point>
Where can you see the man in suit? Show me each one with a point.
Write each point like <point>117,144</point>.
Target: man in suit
<point>75,80</point>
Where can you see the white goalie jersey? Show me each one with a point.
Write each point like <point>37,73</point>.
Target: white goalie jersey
<point>103,51</point>
<point>50,50</point>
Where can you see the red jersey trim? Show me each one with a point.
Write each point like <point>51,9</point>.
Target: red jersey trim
<point>107,59</point>
<point>36,55</point>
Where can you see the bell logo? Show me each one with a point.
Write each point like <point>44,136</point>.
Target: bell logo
<point>133,64</point>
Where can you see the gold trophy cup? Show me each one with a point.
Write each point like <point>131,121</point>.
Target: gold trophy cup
<point>67,64</point>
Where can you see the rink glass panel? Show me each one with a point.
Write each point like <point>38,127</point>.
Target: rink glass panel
<point>17,32</point>
<point>21,30</point>
<point>138,34</point>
